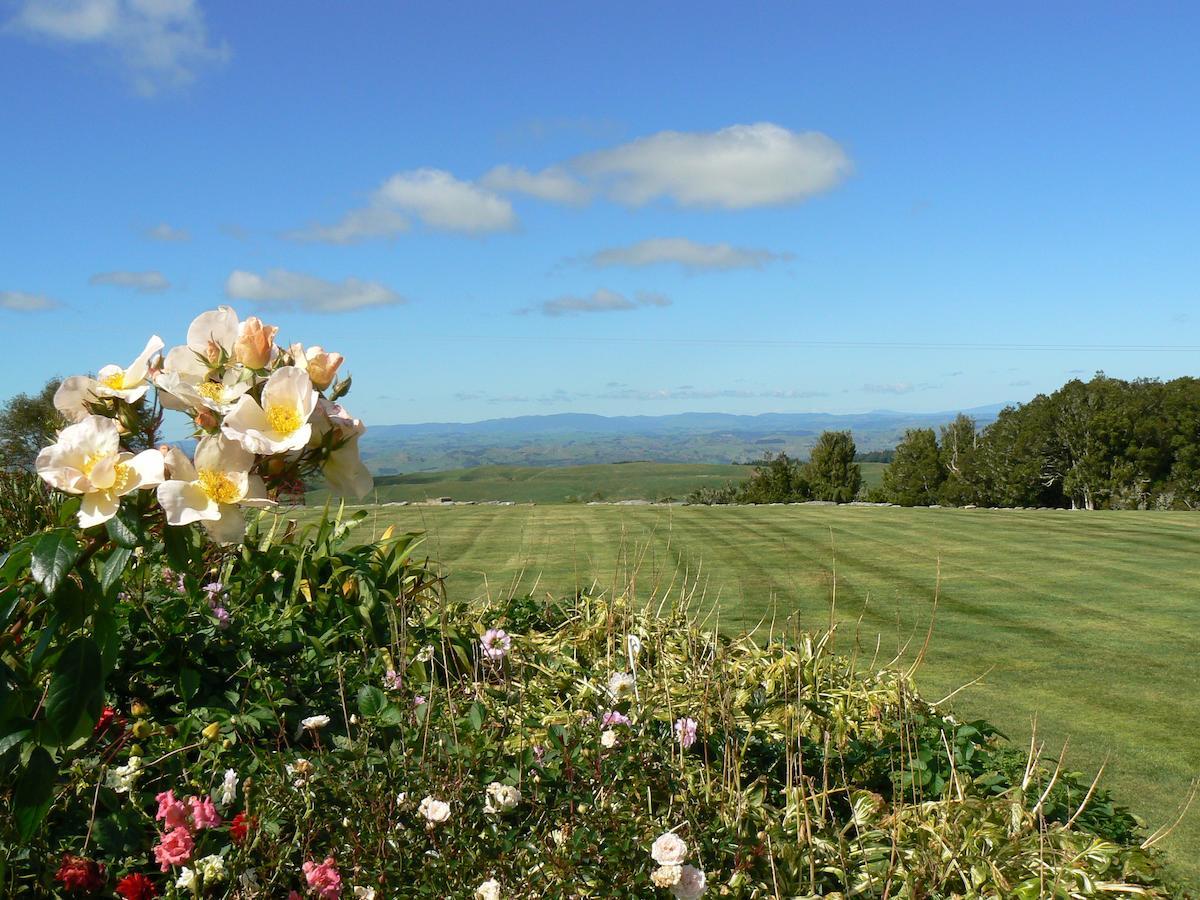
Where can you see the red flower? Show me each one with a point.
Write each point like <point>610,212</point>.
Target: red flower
<point>106,719</point>
<point>240,826</point>
<point>80,875</point>
<point>136,887</point>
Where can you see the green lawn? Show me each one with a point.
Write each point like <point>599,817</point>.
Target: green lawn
<point>1088,621</point>
<point>564,484</point>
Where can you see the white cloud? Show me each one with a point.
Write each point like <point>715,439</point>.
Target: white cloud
<point>616,391</point>
<point>142,282</point>
<point>356,226</point>
<point>441,201</point>
<point>308,292</point>
<point>167,233</point>
<point>684,252</point>
<point>20,301</point>
<point>601,300</point>
<point>161,43</point>
<point>899,387</point>
<point>554,184</point>
<point>735,168</point>
<point>433,196</point>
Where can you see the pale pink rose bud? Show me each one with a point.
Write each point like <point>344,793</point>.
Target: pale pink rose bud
<point>322,367</point>
<point>254,343</point>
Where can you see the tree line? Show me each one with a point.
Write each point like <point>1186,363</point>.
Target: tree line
<point>1099,444</point>
<point>831,474</point>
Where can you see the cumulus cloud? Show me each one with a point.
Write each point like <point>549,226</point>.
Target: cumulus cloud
<point>434,197</point>
<point>20,301</point>
<point>601,300</point>
<point>308,292</point>
<point>142,282</point>
<point>160,43</point>
<point>686,253</point>
<point>737,167</point>
<point>168,233</point>
<point>554,184</point>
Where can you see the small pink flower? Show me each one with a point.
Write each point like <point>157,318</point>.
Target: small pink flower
<point>495,643</point>
<point>685,732</point>
<point>204,814</point>
<point>392,680</point>
<point>171,812</point>
<point>174,848</point>
<point>419,701</point>
<point>614,718</point>
<point>323,878</point>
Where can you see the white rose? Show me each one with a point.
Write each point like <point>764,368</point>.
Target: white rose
<point>501,798</point>
<point>489,890</point>
<point>608,738</point>
<point>365,893</point>
<point>620,685</point>
<point>692,884</point>
<point>435,811</point>
<point>669,849</point>
<point>666,876</point>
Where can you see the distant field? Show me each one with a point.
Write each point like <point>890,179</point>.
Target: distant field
<point>566,484</point>
<point>1089,621</point>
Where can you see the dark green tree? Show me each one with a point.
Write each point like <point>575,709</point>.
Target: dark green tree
<point>916,474</point>
<point>778,479</point>
<point>959,451</point>
<point>832,471</point>
<point>28,422</point>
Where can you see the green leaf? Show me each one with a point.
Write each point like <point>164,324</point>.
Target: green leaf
<point>76,693</point>
<point>34,793</point>
<point>121,531</point>
<point>371,700</point>
<point>189,683</point>
<point>54,554</point>
<point>177,541</point>
<point>114,567</point>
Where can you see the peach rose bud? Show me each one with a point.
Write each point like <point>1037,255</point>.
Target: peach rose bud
<point>322,367</point>
<point>254,343</point>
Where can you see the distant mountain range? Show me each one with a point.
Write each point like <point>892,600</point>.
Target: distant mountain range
<point>579,438</point>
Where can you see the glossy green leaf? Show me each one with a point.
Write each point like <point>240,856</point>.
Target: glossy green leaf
<point>76,693</point>
<point>54,554</point>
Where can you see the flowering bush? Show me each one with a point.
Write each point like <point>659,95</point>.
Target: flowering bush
<point>213,708</point>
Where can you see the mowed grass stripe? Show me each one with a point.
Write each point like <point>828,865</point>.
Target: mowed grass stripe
<point>1089,621</point>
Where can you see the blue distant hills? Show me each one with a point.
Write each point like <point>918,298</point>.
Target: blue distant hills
<point>564,439</point>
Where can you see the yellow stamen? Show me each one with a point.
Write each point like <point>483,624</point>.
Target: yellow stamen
<point>212,390</point>
<point>123,478</point>
<point>218,486</point>
<point>115,381</point>
<point>284,419</point>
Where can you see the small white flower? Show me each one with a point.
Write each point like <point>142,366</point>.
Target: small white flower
<point>489,890</point>
<point>122,778</point>
<point>364,893</point>
<point>426,653</point>
<point>212,869</point>
<point>608,739</point>
<point>435,811</point>
<point>666,876</point>
<point>692,884</point>
<point>620,685</point>
<point>669,849</point>
<point>229,787</point>
<point>281,423</point>
<point>128,384</point>
<point>402,798</point>
<point>188,880</point>
<point>501,798</point>
<point>314,723</point>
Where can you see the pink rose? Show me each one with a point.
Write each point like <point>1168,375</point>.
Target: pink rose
<point>204,814</point>
<point>323,879</point>
<point>171,812</point>
<point>174,848</point>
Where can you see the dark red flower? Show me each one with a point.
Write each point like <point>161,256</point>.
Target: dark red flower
<point>240,826</point>
<point>106,719</point>
<point>136,887</point>
<point>80,875</point>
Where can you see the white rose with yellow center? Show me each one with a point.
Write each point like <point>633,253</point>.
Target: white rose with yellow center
<point>212,488</point>
<point>87,459</point>
<point>129,384</point>
<point>281,422</point>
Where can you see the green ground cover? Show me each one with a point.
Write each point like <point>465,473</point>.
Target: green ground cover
<point>566,484</point>
<point>1088,621</point>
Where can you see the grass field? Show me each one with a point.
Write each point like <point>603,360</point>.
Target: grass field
<point>565,484</point>
<point>1088,621</point>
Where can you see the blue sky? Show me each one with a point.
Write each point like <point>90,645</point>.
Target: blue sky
<point>508,209</point>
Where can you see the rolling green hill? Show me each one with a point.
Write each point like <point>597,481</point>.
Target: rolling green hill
<point>567,484</point>
<point>1089,622</point>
